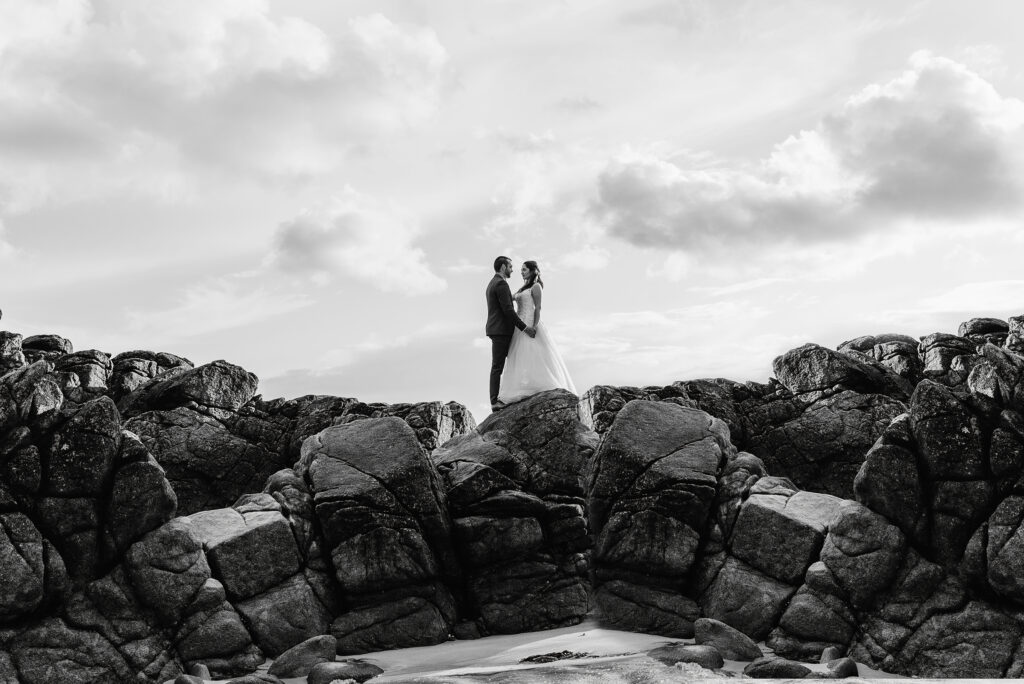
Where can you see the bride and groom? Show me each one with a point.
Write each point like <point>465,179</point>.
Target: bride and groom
<point>524,359</point>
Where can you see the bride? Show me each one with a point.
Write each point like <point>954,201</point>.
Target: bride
<point>533,364</point>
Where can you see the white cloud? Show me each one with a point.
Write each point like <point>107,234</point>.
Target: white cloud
<point>356,236</point>
<point>987,296</point>
<point>6,248</point>
<point>938,142</point>
<point>588,258</point>
<point>463,267</point>
<point>218,304</point>
<point>661,346</point>
<point>139,95</point>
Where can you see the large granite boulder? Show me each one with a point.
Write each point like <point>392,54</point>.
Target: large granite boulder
<point>1015,337</point>
<point>253,552</point>
<point>208,465</point>
<point>515,491</point>
<point>820,446</point>
<point>381,509</point>
<point>211,388</point>
<point>46,347</point>
<point>12,355</point>
<point>132,369</point>
<point>812,371</point>
<point>652,484</point>
<point>899,353</point>
<point>985,330</point>
<point>946,357</point>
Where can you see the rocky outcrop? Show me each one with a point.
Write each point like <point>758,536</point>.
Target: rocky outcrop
<point>651,487</point>
<point>515,493</point>
<point>380,506</point>
<point>818,439</point>
<point>866,503</point>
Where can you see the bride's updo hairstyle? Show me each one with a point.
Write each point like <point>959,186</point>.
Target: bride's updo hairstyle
<point>534,276</point>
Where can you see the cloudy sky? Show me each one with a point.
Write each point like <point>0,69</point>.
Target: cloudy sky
<point>315,190</point>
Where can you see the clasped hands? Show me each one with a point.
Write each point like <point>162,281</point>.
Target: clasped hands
<point>531,331</point>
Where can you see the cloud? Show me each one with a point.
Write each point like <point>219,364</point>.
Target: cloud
<point>588,258</point>
<point>659,346</point>
<point>581,104</point>
<point>992,295</point>
<point>6,248</point>
<point>217,304</point>
<point>138,94</point>
<point>356,236</point>
<point>936,143</point>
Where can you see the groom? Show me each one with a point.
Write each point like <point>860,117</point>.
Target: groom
<point>501,323</point>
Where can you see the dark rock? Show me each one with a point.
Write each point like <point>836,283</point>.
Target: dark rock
<point>298,660</point>
<point>214,386</point>
<point>207,465</point>
<point>255,678</point>
<point>249,553</point>
<point>1003,549</point>
<point>731,643</point>
<point>380,505</point>
<point>212,634</point>
<point>11,355</point>
<point>949,443</point>
<point>515,492</point>
<point>188,679</point>
<point>199,670</point>
<point>51,651</point>
<point>818,618</point>
<point>48,343</point>
<point>841,668</point>
<point>746,599</point>
<point>22,567</point>
<point>133,369</point>
<point>141,498</point>
<point>975,642</point>
<point>831,653</point>
<point>812,370</point>
<point>359,670</point>
<point>776,668</point>
<point>285,615</point>
<point>91,368</point>
<point>821,446</point>
<point>939,351</point>
<point>1015,338</point>
<point>647,609</point>
<point>168,568</point>
<point>706,656</point>
<point>781,535</point>
<point>890,483</point>
<point>652,485</point>
<point>982,330</point>
<point>466,630</point>
<point>401,623</point>
<point>862,551</point>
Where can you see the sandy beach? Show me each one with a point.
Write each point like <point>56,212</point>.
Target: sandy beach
<point>611,656</point>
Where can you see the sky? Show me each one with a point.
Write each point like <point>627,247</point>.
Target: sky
<point>316,190</point>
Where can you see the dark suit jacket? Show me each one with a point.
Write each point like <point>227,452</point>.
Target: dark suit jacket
<point>501,315</point>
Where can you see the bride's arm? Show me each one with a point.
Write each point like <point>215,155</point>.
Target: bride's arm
<point>535,292</point>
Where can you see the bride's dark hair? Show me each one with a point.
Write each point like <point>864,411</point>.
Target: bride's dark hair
<point>534,276</point>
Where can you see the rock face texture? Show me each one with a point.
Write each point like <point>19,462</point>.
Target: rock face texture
<point>651,487</point>
<point>158,518</point>
<point>515,492</point>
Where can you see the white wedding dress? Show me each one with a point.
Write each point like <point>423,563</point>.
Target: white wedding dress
<point>533,364</point>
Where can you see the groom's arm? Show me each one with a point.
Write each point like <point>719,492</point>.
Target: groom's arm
<point>505,302</point>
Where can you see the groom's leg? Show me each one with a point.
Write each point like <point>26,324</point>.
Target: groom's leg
<point>499,351</point>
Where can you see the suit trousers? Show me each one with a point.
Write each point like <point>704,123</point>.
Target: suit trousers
<point>499,352</point>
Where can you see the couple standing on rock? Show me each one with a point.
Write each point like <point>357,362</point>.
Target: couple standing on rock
<point>524,358</point>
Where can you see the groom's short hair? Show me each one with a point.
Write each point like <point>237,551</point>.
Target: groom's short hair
<point>499,261</point>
